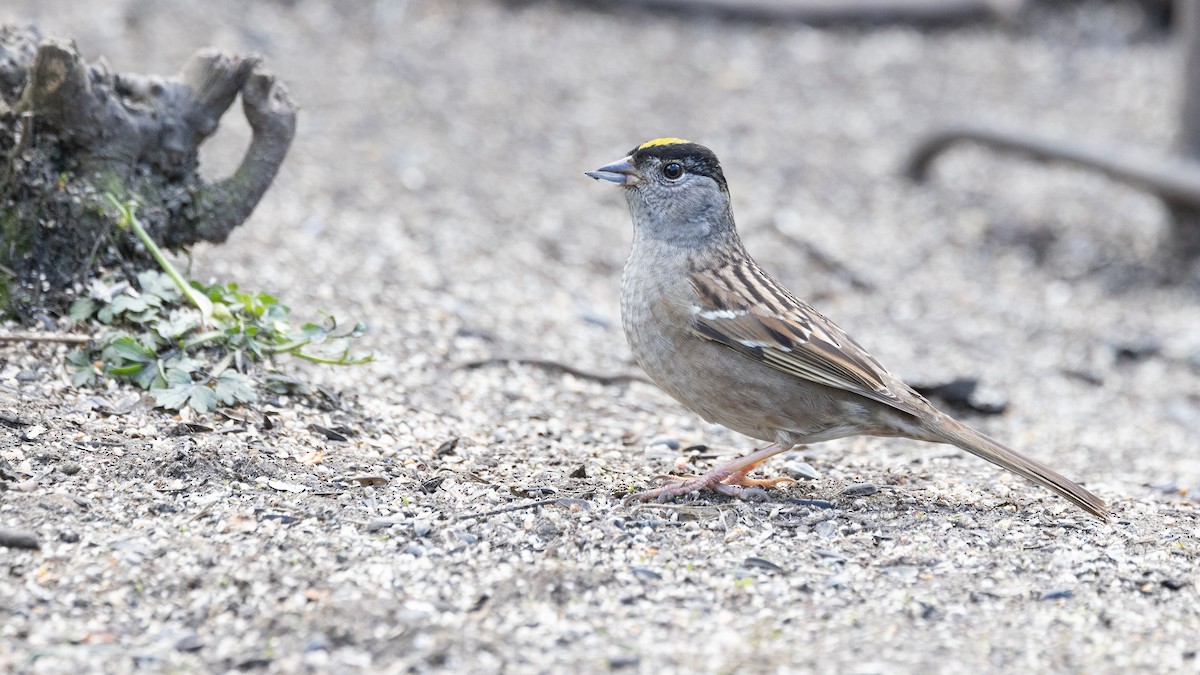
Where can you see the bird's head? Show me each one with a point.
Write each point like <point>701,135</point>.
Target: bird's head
<point>675,189</point>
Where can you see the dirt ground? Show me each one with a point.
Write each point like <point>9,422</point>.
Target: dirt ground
<point>471,520</point>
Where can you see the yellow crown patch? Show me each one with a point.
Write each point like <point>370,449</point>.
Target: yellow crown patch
<point>661,141</point>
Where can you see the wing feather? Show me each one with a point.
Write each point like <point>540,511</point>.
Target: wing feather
<point>739,306</point>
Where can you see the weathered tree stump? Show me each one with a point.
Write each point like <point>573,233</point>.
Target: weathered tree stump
<point>71,131</point>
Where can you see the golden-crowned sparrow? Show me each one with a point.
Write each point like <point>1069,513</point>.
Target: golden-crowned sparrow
<point>726,340</point>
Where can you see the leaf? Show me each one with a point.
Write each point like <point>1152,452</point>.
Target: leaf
<point>128,348</point>
<point>82,309</point>
<point>233,388</point>
<point>183,364</point>
<point>133,304</point>
<point>158,341</point>
<point>146,377</point>
<point>79,366</point>
<point>202,399</point>
<point>126,357</point>
<point>143,318</point>
<point>171,398</point>
<point>258,305</point>
<point>179,322</point>
<point>159,285</point>
<point>180,390</point>
<point>213,336</point>
<point>312,332</point>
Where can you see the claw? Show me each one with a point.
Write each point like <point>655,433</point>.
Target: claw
<point>746,494</point>
<point>758,482</point>
<point>666,477</point>
<point>729,479</point>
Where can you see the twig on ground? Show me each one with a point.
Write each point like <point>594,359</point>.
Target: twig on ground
<point>555,366</point>
<point>64,338</point>
<point>522,507</point>
<point>827,262</point>
<point>202,512</point>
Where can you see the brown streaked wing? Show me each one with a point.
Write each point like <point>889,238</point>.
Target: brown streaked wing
<point>737,308</point>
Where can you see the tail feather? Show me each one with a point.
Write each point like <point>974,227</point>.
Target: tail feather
<point>954,432</point>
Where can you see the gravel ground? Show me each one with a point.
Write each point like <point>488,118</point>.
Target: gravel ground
<point>469,522</point>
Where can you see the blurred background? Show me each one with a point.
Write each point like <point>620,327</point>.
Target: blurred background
<point>435,190</point>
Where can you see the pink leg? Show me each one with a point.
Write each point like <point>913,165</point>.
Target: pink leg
<point>728,479</point>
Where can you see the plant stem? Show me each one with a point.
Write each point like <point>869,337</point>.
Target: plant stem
<point>128,219</point>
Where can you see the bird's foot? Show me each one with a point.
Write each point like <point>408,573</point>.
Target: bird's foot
<point>740,479</point>
<point>735,484</point>
<point>729,479</point>
<point>677,486</point>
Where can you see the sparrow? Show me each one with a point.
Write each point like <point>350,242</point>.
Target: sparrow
<point>721,336</point>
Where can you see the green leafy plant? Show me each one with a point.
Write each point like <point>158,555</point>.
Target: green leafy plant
<point>192,345</point>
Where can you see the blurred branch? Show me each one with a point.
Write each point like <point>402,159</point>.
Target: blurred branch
<point>1171,178</point>
<point>1176,180</point>
<point>917,12</point>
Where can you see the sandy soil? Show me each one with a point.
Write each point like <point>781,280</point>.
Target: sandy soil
<point>469,522</point>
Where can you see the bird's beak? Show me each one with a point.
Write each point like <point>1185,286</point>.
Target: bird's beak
<point>620,172</point>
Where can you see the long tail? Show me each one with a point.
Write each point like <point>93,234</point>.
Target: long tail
<point>952,431</point>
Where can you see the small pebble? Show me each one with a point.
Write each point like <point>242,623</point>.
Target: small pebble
<point>14,538</point>
<point>363,479</point>
<point>763,563</point>
<point>905,572</point>
<point>827,528</point>
<point>830,555</point>
<point>814,503</point>
<point>801,470</point>
<point>284,486</point>
<point>624,661</point>
<point>317,642</point>
<point>70,468</point>
<point>646,574</point>
<point>281,518</point>
<point>860,490</point>
<point>33,432</point>
<point>836,581</point>
<point>189,643</point>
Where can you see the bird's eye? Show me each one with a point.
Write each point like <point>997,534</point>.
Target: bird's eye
<point>673,170</point>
